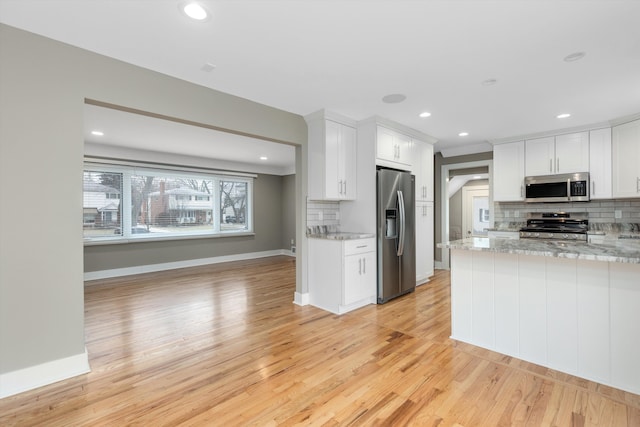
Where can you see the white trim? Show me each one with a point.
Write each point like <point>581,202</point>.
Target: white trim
<point>444,201</point>
<point>152,268</point>
<point>438,265</point>
<point>44,374</point>
<point>461,150</point>
<point>301,298</point>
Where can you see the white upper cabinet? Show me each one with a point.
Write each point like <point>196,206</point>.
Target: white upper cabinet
<point>600,163</point>
<point>332,157</point>
<point>392,146</point>
<point>422,168</point>
<point>508,172</point>
<point>626,160</point>
<point>560,154</point>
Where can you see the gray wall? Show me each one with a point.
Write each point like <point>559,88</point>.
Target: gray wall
<point>288,210</point>
<point>43,85</point>
<point>439,162</point>
<point>268,213</point>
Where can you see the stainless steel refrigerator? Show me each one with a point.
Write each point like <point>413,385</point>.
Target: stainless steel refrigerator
<point>396,234</point>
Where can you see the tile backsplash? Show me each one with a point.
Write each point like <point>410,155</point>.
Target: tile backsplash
<point>323,213</point>
<point>602,213</point>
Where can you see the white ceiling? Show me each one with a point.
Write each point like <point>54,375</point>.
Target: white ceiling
<point>345,55</point>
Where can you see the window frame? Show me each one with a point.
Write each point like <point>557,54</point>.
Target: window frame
<point>128,170</point>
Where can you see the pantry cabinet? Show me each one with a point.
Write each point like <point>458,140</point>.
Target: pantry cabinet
<point>560,154</point>
<point>422,168</point>
<point>424,241</point>
<point>626,160</point>
<point>508,172</point>
<point>332,157</point>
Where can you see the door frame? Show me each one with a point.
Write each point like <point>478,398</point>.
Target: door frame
<point>444,201</point>
<point>465,204</point>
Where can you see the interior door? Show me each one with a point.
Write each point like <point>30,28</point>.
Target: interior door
<point>475,208</point>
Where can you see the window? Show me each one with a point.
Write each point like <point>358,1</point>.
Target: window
<point>123,202</point>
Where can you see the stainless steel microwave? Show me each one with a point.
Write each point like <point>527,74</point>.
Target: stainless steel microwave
<point>568,187</point>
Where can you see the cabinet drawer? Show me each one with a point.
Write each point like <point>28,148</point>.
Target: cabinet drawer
<point>359,246</point>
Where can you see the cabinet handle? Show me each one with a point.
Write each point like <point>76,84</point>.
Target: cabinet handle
<point>340,188</point>
<point>593,188</point>
<point>558,164</point>
<point>551,165</point>
<point>522,191</point>
<point>364,266</point>
<point>359,265</point>
<point>345,187</point>
<point>638,185</point>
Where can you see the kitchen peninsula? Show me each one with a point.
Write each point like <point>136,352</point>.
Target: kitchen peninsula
<point>570,306</point>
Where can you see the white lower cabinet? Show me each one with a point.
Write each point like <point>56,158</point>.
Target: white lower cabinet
<point>342,274</point>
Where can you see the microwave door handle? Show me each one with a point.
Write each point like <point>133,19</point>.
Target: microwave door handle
<point>569,189</point>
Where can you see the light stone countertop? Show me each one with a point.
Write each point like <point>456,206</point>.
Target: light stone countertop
<point>341,236</point>
<point>611,250</point>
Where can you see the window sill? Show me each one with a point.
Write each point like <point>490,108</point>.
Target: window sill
<point>121,240</point>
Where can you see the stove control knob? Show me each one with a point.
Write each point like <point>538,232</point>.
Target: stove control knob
<point>565,236</point>
<point>536,234</point>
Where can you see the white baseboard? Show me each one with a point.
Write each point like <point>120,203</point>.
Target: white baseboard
<point>152,268</point>
<point>46,373</point>
<point>438,265</point>
<point>300,298</point>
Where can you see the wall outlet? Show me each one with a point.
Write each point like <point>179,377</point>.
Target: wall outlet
<point>618,214</point>
<point>506,214</point>
<point>516,214</point>
<point>292,242</point>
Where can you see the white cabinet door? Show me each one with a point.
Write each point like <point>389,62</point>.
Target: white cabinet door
<point>392,146</point>
<point>540,156</point>
<point>626,160</point>
<point>359,277</point>
<point>422,168</point>
<point>600,163</point>
<point>347,163</point>
<point>424,242</point>
<point>572,153</point>
<point>331,159</point>
<point>508,172</point>
<point>332,184</point>
<point>385,145</point>
<point>560,154</point>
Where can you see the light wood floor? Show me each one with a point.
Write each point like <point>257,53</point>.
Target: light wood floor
<point>224,345</point>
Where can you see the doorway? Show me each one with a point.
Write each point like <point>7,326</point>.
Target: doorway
<point>475,211</point>
<point>453,177</point>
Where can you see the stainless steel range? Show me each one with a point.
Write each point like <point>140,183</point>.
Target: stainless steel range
<point>556,225</point>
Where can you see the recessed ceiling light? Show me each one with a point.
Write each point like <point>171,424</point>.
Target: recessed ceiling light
<point>489,82</point>
<point>576,56</point>
<point>463,134</point>
<point>195,11</point>
<point>477,177</point>
<point>394,98</point>
<point>425,114</point>
<point>97,133</point>
<point>263,158</point>
<point>563,115</point>
<point>208,67</point>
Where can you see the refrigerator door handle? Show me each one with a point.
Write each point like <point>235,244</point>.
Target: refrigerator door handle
<point>401,232</point>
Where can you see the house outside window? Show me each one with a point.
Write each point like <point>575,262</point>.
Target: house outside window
<point>122,203</point>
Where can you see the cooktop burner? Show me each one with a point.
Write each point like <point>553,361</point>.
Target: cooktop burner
<point>556,225</point>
